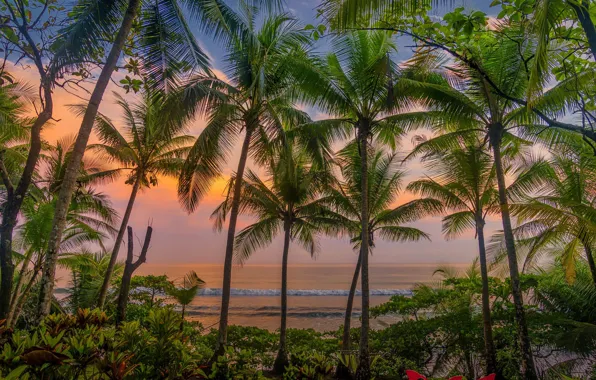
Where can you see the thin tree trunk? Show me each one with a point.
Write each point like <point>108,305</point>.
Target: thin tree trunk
<point>590,258</point>
<point>20,301</point>
<point>14,201</point>
<point>222,338</point>
<point>182,320</point>
<point>129,268</point>
<point>527,359</point>
<point>72,169</point>
<point>281,361</point>
<point>363,371</point>
<point>17,286</point>
<point>342,371</point>
<point>103,292</point>
<point>489,344</point>
<point>583,15</point>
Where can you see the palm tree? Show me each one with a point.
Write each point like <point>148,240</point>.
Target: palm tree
<point>464,181</point>
<point>89,219</point>
<point>562,212</point>
<point>385,220</point>
<point>257,100</point>
<point>187,292</point>
<point>167,50</point>
<point>471,107</point>
<point>292,204</point>
<point>151,145</point>
<point>360,85</point>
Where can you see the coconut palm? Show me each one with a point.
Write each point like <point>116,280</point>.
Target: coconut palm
<point>167,53</point>
<point>89,219</point>
<point>386,220</point>
<point>361,87</point>
<point>464,181</point>
<point>560,215</point>
<point>257,100</point>
<point>184,295</point>
<point>471,107</point>
<point>290,204</point>
<point>152,144</point>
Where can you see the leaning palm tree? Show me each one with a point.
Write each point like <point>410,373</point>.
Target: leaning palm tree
<point>471,107</point>
<point>152,144</point>
<point>464,181</point>
<point>290,204</point>
<point>562,212</point>
<point>257,100</point>
<point>361,86</point>
<point>184,295</point>
<point>387,221</point>
<point>89,219</point>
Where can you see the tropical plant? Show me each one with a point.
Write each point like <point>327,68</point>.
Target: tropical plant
<point>386,220</point>
<point>167,51</point>
<point>360,85</point>
<point>185,294</point>
<point>290,203</point>
<point>256,99</point>
<point>89,219</point>
<point>559,217</point>
<point>463,180</point>
<point>152,144</point>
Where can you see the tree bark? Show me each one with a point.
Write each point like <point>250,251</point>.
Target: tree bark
<point>14,201</point>
<point>281,361</point>
<point>103,292</point>
<point>363,371</point>
<point>583,15</point>
<point>527,359</point>
<point>489,344</point>
<point>15,310</point>
<point>342,372</point>
<point>129,269</point>
<point>590,258</point>
<point>222,338</point>
<point>72,169</point>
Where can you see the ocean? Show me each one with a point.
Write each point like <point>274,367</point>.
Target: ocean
<point>317,293</point>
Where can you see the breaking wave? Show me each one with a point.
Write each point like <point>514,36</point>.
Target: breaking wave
<point>300,292</point>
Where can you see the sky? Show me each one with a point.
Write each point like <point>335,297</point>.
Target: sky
<point>180,238</point>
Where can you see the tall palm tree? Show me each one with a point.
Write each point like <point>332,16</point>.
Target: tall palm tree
<point>168,52</point>
<point>561,213</point>
<point>464,181</point>
<point>385,220</point>
<point>152,144</point>
<point>184,295</point>
<point>257,99</point>
<point>290,204</point>
<point>360,85</point>
<point>471,107</point>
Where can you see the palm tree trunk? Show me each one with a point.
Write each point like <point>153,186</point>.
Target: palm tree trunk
<point>103,292</point>
<point>16,195</point>
<point>182,320</point>
<point>17,286</point>
<point>489,344</point>
<point>590,258</point>
<point>582,9</point>
<point>363,371</point>
<point>72,170</point>
<point>527,359</point>
<point>281,361</point>
<point>342,372</point>
<point>222,338</point>
<point>20,300</point>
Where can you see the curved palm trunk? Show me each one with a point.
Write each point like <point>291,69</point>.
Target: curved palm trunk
<point>527,359</point>
<point>590,258</point>
<point>281,361</point>
<point>17,286</point>
<point>489,344</point>
<point>20,299</point>
<point>72,170</point>
<point>363,371</point>
<point>103,292</point>
<point>222,338</point>
<point>342,371</point>
<point>16,195</point>
<point>582,9</point>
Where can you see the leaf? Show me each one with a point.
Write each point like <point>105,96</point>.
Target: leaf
<point>17,373</point>
<point>40,356</point>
